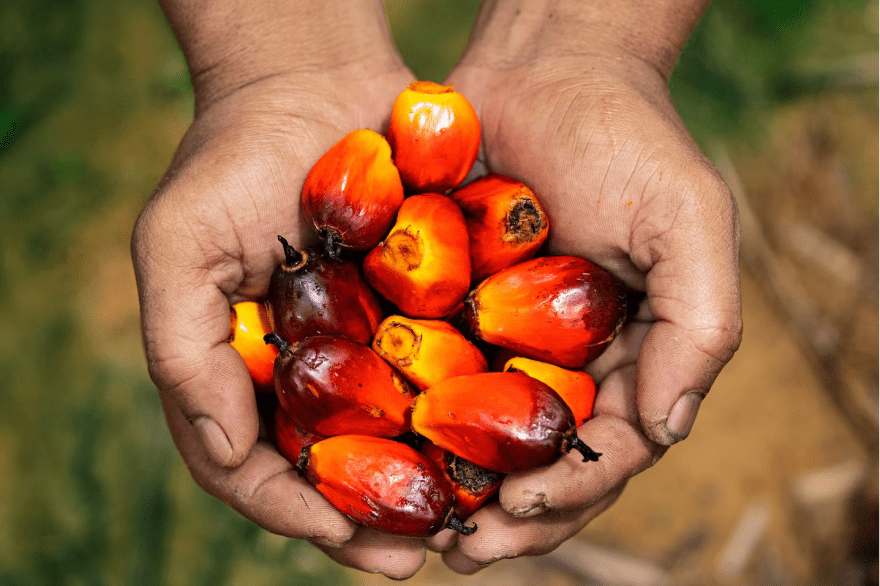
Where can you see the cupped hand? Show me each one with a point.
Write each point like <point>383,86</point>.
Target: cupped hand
<point>599,141</point>
<point>208,239</point>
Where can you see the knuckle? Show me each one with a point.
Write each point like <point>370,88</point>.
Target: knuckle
<point>204,474</point>
<point>172,373</point>
<point>721,339</point>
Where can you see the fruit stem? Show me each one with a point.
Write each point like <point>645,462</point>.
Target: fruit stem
<point>277,341</point>
<point>455,523</point>
<point>332,244</point>
<point>292,256</point>
<point>585,450</point>
<point>302,461</point>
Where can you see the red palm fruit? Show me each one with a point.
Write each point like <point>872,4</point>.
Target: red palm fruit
<point>434,134</point>
<point>310,294</point>
<point>576,387</point>
<point>426,351</point>
<point>382,484</point>
<point>331,385</point>
<point>351,194</point>
<point>472,485</point>
<point>563,310</point>
<point>249,323</point>
<point>290,438</point>
<point>502,421</point>
<point>423,265</point>
<point>506,223</point>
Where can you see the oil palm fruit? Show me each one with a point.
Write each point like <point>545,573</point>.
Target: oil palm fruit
<point>249,322</point>
<point>311,294</point>
<point>506,223</point>
<point>502,421</point>
<point>382,484</point>
<point>289,437</point>
<point>331,385</point>
<point>575,387</point>
<point>472,486</point>
<point>563,310</point>
<point>423,266</point>
<point>434,134</point>
<point>426,351</point>
<point>352,193</point>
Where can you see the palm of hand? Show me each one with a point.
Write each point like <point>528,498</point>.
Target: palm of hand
<point>235,182</point>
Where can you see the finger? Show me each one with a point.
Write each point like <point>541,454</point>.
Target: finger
<point>264,488</point>
<point>693,293</point>
<point>443,540</point>
<point>370,551</point>
<point>571,484</point>
<point>502,536</point>
<point>185,322</point>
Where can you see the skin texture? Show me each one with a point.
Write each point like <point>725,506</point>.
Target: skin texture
<point>573,101</point>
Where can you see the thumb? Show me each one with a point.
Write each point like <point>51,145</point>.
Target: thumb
<point>186,321</point>
<point>693,296</point>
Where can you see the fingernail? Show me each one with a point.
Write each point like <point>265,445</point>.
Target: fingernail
<point>537,505</point>
<point>214,439</point>
<point>530,511</point>
<point>326,542</point>
<point>684,413</point>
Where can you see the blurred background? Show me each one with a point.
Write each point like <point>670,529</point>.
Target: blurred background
<point>777,484</point>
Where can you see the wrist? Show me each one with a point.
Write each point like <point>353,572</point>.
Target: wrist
<point>230,44</point>
<point>509,33</point>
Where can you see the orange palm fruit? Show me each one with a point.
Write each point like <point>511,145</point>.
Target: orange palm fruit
<point>290,438</point>
<point>502,421</point>
<point>310,294</point>
<point>249,323</point>
<point>382,484</point>
<point>472,485</point>
<point>563,310</point>
<point>576,387</point>
<point>506,223</point>
<point>434,134</point>
<point>426,351</point>
<point>331,385</point>
<point>351,194</point>
<point>423,266</point>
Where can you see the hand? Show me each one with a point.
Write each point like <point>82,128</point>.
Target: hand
<point>208,239</point>
<point>598,140</point>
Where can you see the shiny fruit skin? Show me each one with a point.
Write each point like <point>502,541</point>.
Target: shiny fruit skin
<point>577,388</point>
<point>506,223</point>
<point>331,385</point>
<point>426,352</point>
<point>502,421</point>
<point>563,310</point>
<point>423,266</point>
<point>434,134</point>
<point>379,483</point>
<point>472,486</point>
<point>249,323</point>
<point>289,437</point>
<point>353,191</point>
<point>320,295</point>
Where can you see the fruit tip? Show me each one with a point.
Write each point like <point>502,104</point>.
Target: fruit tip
<point>332,243</point>
<point>277,341</point>
<point>456,524</point>
<point>292,257</point>
<point>586,451</point>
